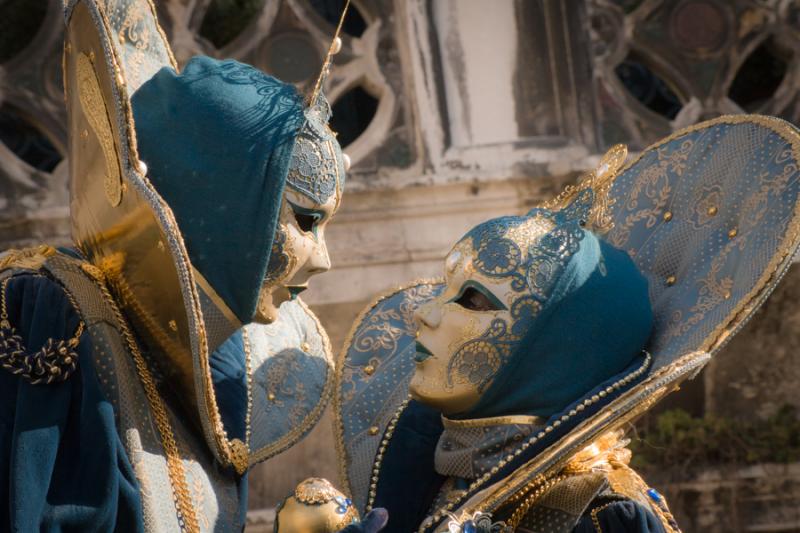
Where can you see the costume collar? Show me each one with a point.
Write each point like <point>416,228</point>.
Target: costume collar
<point>468,449</point>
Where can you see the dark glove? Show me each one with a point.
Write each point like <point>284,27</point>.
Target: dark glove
<point>372,522</point>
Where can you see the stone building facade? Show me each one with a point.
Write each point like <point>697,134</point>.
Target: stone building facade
<point>455,111</point>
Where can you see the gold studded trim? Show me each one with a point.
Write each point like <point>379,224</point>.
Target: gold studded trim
<point>621,411</point>
<point>338,421</point>
<point>524,420</point>
<point>313,417</point>
<point>507,490</point>
<point>187,517</point>
<point>744,309</point>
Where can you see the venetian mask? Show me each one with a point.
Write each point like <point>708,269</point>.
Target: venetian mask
<point>312,195</point>
<point>497,279</point>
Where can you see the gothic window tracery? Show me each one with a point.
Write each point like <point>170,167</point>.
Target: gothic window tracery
<point>664,64</point>
<point>286,38</point>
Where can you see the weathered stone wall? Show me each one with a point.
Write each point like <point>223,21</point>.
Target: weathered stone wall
<point>735,499</point>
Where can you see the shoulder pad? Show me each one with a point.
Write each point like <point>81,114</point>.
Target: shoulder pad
<point>26,258</point>
<point>54,362</point>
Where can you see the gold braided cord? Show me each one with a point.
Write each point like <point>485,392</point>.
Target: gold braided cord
<point>529,495</point>
<point>339,364</point>
<point>327,63</point>
<point>595,520</point>
<point>187,517</point>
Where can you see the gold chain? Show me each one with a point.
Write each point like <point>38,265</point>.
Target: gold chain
<point>180,489</point>
<point>6,323</point>
<point>541,486</point>
<point>595,520</point>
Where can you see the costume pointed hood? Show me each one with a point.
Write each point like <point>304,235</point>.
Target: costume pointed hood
<point>217,140</point>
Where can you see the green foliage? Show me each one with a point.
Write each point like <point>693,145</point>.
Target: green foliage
<point>675,439</point>
<point>225,19</point>
<point>19,22</point>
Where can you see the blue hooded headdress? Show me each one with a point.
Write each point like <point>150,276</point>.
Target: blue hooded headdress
<point>595,319</point>
<point>217,140</point>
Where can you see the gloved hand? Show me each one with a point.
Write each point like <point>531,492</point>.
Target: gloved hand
<point>372,522</point>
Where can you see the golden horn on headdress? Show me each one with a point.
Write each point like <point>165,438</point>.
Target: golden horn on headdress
<point>333,49</point>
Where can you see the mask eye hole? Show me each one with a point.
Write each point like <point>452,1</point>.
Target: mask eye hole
<point>475,300</point>
<point>307,219</point>
<point>305,222</point>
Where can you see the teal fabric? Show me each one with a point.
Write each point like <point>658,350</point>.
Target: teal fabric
<point>62,464</point>
<point>217,140</point>
<point>229,374</point>
<point>594,323</point>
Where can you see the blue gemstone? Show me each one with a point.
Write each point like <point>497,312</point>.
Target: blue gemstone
<point>654,495</point>
<point>469,527</point>
<point>348,502</point>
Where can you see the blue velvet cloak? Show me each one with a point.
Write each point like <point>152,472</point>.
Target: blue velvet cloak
<point>62,464</point>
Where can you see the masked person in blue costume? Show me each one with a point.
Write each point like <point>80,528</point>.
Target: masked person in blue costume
<point>198,202</point>
<point>494,400</point>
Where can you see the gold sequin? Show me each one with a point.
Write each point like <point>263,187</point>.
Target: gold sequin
<point>369,370</point>
<point>671,281</point>
<point>732,233</point>
<point>712,211</point>
<point>374,430</point>
<point>667,216</point>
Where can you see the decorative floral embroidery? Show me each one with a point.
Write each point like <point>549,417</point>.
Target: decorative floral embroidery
<point>518,249</point>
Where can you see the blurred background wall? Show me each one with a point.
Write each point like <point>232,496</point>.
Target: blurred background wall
<point>455,111</point>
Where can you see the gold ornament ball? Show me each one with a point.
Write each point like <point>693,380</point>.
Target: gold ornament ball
<point>316,506</point>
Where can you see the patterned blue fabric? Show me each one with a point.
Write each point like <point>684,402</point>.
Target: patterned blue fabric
<point>714,208</point>
<point>595,319</point>
<point>62,464</point>
<point>317,166</point>
<point>217,140</point>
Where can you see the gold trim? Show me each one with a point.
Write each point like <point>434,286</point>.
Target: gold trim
<point>215,298</point>
<point>313,417</point>
<point>28,258</point>
<point>376,467</point>
<point>147,204</point>
<point>746,306</point>
<point>163,36</point>
<point>96,113</point>
<point>187,517</point>
<point>338,422</point>
<point>492,497</point>
<point>531,494</point>
<point>523,420</point>
<point>507,484</point>
<point>595,512</point>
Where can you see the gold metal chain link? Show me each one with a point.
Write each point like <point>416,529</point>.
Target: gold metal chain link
<point>187,517</point>
<point>529,495</point>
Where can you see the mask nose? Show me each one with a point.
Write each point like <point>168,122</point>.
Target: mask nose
<point>319,261</point>
<point>428,315</point>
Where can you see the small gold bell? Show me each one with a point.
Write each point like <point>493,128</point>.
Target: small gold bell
<point>316,506</point>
